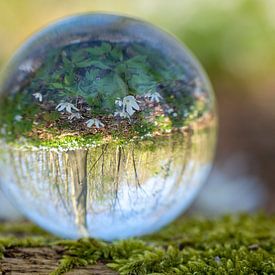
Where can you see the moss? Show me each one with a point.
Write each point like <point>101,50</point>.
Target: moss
<point>94,140</point>
<point>229,245</point>
<point>69,142</point>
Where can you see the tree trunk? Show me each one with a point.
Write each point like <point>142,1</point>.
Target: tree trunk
<point>78,175</point>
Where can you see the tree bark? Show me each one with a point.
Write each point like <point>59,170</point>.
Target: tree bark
<point>43,260</point>
<point>78,171</point>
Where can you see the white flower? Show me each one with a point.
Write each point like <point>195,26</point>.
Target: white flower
<point>74,115</point>
<point>18,118</point>
<point>66,106</point>
<point>130,105</point>
<point>119,102</point>
<point>122,114</point>
<point>94,122</point>
<point>38,96</point>
<point>153,97</point>
<point>170,110</point>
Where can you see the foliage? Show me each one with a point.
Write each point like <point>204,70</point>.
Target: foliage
<point>228,245</point>
<point>10,108</point>
<point>102,82</point>
<point>100,72</point>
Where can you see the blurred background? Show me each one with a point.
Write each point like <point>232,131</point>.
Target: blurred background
<point>235,42</point>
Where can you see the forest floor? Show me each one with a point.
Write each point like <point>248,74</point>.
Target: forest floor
<point>243,244</point>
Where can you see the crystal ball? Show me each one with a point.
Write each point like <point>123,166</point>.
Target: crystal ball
<point>107,127</point>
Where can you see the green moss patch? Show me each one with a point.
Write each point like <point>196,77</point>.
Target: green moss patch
<point>229,245</point>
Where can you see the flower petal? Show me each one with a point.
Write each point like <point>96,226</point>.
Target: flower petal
<point>74,108</point>
<point>130,110</point>
<point>135,105</point>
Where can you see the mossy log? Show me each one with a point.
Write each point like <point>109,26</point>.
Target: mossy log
<point>243,244</point>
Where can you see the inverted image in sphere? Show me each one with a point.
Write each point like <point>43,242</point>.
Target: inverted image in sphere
<point>107,127</point>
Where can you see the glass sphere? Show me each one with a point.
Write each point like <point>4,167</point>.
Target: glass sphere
<point>107,127</point>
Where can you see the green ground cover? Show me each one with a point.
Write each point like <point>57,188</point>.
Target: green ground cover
<point>243,244</point>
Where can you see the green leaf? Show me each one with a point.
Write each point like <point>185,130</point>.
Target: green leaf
<point>56,85</point>
<point>96,63</point>
<point>99,64</point>
<point>85,63</point>
<point>121,85</point>
<point>92,75</point>
<point>106,46</point>
<point>69,79</point>
<point>101,50</point>
<point>106,84</point>
<point>142,83</point>
<point>121,68</point>
<point>116,54</point>
<point>67,63</point>
<point>137,62</point>
<point>78,56</point>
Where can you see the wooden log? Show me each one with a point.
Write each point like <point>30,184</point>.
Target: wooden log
<point>43,260</point>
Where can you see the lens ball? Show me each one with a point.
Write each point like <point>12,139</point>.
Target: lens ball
<point>107,127</point>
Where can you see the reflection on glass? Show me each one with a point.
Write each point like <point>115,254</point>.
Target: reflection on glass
<point>111,191</point>
<point>107,127</point>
